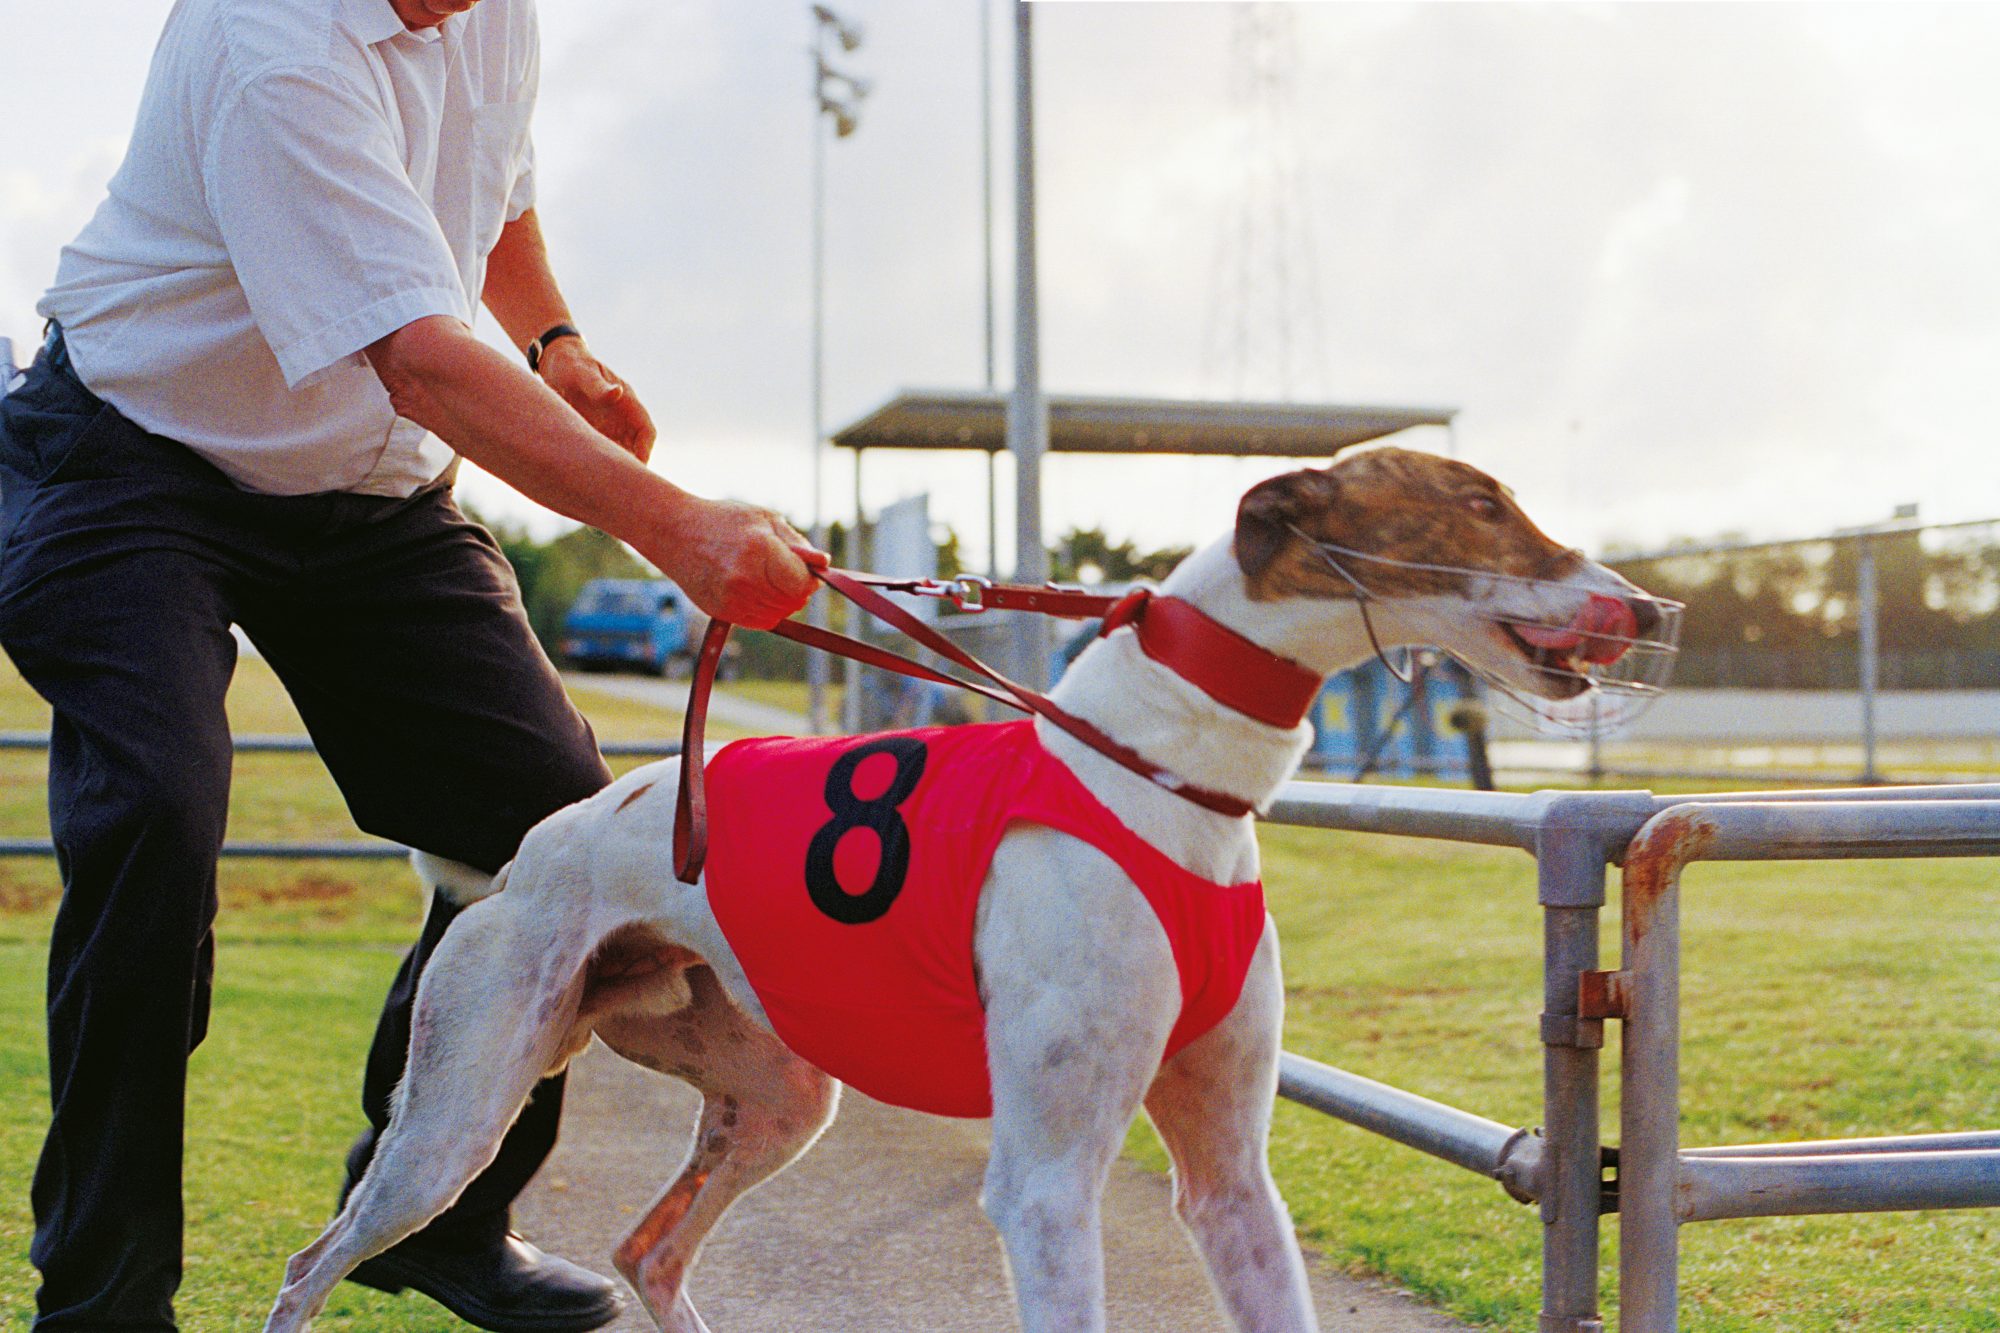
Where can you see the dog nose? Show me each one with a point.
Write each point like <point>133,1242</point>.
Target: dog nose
<point>1645,616</point>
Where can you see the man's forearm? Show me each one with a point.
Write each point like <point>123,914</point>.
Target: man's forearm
<point>521,292</point>
<point>489,409</point>
<point>738,562</point>
<point>520,286</point>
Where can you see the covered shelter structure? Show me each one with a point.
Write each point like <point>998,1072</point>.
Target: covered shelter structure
<point>1080,424</point>
<point>931,419</point>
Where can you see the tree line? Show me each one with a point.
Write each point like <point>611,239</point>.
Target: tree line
<point>552,572</point>
<point>1789,617</point>
<point>1778,617</point>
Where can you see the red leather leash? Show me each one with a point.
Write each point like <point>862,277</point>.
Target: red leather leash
<point>1223,664</point>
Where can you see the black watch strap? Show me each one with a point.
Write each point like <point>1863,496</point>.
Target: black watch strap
<point>541,344</point>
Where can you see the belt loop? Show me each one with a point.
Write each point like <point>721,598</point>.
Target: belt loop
<point>1128,610</point>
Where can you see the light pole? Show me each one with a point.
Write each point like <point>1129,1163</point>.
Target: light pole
<point>1027,410</point>
<point>836,97</point>
<point>986,289</point>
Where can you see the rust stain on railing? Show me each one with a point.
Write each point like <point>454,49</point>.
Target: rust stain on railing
<point>1655,860</point>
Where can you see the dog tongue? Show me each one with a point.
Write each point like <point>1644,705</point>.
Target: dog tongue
<point>1608,628</point>
<point>1600,634</point>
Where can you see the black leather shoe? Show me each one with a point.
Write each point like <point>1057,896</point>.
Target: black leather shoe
<point>504,1285</point>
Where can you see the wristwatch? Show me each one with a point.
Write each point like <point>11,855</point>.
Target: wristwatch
<point>541,344</point>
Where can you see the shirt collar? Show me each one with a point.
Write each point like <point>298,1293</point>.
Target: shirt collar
<point>375,21</point>
<point>372,21</point>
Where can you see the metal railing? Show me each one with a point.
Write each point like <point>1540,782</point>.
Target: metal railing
<point>1575,837</point>
<point>355,849</point>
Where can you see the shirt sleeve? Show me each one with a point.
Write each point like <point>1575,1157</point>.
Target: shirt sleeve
<point>331,243</point>
<point>522,197</point>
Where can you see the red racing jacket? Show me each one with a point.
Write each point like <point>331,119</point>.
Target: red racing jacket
<point>845,873</point>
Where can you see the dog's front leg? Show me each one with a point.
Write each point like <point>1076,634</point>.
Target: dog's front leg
<point>1212,1105</point>
<point>1080,994</point>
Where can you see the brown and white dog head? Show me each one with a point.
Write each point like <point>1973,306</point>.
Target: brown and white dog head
<point>1440,554</point>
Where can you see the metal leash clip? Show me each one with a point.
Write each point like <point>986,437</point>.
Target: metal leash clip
<point>968,592</point>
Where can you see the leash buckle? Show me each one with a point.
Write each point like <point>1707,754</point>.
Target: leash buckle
<point>967,592</point>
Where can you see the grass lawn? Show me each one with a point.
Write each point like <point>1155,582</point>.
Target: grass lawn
<point>1820,1001</point>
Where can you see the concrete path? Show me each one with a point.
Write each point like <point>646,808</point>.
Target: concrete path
<point>876,1230</point>
<point>764,719</point>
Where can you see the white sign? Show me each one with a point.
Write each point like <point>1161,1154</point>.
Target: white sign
<point>903,549</point>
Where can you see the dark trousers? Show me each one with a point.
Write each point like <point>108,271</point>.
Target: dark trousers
<point>396,626</point>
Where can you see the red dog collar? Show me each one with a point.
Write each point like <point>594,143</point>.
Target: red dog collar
<point>1216,660</point>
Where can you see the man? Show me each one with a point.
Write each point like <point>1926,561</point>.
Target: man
<point>228,425</point>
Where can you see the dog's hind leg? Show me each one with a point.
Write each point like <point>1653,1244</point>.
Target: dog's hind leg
<point>496,1010</point>
<point>1212,1106</point>
<point>761,1107</point>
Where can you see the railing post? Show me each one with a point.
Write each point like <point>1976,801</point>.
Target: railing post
<point>1868,599</point>
<point>1579,834</point>
<point>1649,1140</point>
<point>1570,865</point>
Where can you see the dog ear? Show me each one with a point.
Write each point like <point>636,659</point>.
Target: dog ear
<point>1270,510</point>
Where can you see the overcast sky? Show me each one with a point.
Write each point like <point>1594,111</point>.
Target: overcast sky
<point>1685,269</point>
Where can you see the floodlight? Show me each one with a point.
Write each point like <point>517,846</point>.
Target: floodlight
<point>847,34</point>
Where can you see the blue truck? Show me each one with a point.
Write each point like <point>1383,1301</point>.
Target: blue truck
<point>631,625</point>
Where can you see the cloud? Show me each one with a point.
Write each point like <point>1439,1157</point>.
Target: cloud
<point>1685,268</point>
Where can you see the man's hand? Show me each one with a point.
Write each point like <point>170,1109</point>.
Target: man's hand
<point>740,563</point>
<point>599,397</point>
<point>521,292</point>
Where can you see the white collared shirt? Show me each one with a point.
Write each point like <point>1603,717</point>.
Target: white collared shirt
<point>306,177</point>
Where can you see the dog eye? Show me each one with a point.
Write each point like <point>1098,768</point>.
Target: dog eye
<point>1484,506</point>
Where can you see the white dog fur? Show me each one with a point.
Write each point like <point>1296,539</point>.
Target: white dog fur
<point>594,934</point>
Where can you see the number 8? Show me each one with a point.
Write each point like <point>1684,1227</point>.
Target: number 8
<point>850,812</point>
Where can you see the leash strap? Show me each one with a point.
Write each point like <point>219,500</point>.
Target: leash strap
<point>691,806</point>
<point>691,803</point>
<point>972,593</point>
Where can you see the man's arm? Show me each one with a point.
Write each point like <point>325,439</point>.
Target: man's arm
<point>521,292</point>
<point>736,561</point>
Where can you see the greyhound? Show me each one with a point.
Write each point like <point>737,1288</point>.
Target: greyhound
<point>1079,990</point>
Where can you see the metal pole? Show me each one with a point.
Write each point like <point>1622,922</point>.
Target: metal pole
<point>1897,1180</point>
<point>850,704</point>
<point>1868,596</point>
<point>1502,1152</point>
<point>1028,413</point>
<point>816,665</point>
<point>1596,743</point>
<point>986,287</point>
<point>992,514</point>
<point>1570,871</point>
<point>986,195</point>
<point>1650,1072</point>
<point>1494,818</point>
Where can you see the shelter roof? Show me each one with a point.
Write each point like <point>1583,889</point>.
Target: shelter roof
<point>934,419</point>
